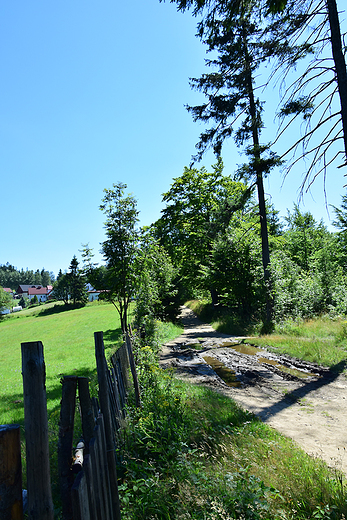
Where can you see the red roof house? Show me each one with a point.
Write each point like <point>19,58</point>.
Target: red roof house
<point>39,291</point>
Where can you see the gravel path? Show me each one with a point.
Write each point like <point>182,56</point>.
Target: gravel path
<point>310,410</point>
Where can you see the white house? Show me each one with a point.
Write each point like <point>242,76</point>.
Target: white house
<point>39,291</point>
<point>93,294</point>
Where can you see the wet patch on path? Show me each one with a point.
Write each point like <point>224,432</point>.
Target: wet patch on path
<point>302,400</point>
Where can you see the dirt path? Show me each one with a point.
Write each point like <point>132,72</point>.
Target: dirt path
<point>312,409</point>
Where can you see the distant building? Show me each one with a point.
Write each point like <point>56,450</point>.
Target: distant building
<point>22,290</point>
<point>39,291</point>
<point>93,294</point>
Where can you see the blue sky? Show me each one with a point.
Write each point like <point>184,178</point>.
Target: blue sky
<point>92,94</point>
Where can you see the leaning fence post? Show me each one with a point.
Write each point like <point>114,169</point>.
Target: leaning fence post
<point>11,504</point>
<point>133,370</point>
<point>66,426</point>
<point>88,422</point>
<point>101,366</point>
<point>40,504</point>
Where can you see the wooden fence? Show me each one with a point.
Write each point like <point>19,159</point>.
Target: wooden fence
<point>88,481</point>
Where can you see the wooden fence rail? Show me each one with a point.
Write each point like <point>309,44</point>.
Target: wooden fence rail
<point>88,481</point>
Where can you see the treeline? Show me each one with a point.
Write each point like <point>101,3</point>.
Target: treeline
<point>218,236</point>
<point>11,277</point>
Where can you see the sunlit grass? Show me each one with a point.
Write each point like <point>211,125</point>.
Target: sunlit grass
<point>68,342</point>
<point>168,331</point>
<point>322,340</point>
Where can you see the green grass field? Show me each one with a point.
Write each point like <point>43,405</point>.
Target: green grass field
<point>68,342</point>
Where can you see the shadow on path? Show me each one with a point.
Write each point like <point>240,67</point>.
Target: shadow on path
<point>303,391</point>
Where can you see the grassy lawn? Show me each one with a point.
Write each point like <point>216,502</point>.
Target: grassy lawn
<point>68,342</point>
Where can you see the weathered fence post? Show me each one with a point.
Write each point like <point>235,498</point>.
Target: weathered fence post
<point>88,422</point>
<point>66,426</point>
<point>11,505</point>
<point>133,370</point>
<point>40,504</point>
<point>105,409</point>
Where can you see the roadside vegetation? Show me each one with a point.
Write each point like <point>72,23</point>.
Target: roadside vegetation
<point>192,453</point>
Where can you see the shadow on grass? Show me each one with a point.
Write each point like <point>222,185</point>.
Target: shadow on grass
<point>57,309</point>
<point>113,336</point>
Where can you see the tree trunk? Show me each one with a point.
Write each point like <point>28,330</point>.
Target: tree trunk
<point>259,180</point>
<point>340,64</point>
<point>214,297</point>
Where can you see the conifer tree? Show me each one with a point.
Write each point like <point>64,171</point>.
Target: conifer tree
<point>240,42</point>
<point>76,283</point>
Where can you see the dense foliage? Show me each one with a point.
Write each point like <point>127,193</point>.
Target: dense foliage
<point>306,273</point>
<point>199,207</point>
<point>211,231</point>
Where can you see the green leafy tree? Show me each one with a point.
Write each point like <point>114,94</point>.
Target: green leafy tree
<point>235,268</point>
<point>119,277</point>
<point>34,300</point>
<point>304,237</point>
<point>340,223</point>
<point>307,272</point>
<point>61,288</point>
<point>5,301</point>
<point>199,206</point>
<point>45,278</point>
<point>37,278</point>
<point>157,294</point>
<point>27,277</point>
<point>71,286</point>
<point>240,41</point>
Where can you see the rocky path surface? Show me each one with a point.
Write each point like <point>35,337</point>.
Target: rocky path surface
<point>311,408</point>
